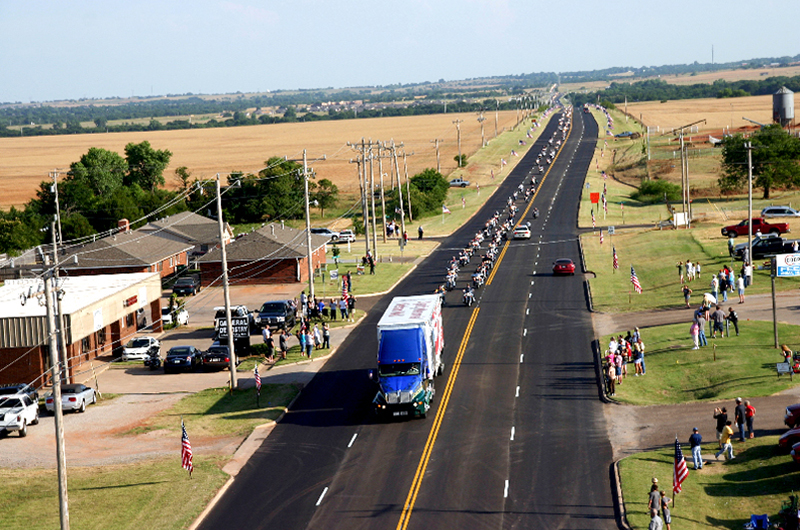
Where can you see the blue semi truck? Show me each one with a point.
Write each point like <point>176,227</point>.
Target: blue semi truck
<point>410,345</point>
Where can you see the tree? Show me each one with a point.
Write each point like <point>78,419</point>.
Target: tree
<point>326,194</point>
<point>146,165</point>
<point>183,175</point>
<point>100,122</point>
<point>99,169</point>
<point>775,160</point>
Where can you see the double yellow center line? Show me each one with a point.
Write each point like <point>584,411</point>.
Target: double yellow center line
<point>437,422</point>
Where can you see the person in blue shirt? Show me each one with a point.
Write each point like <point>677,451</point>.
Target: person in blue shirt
<point>694,441</point>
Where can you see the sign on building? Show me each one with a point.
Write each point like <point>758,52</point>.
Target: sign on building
<point>787,265</point>
<point>241,328</point>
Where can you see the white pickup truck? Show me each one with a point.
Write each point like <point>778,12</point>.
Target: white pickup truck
<point>17,412</point>
<point>459,183</point>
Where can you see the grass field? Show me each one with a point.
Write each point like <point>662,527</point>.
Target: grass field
<point>27,161</point>
<point>154,494</point>
<point>744,365</point>
<point>722,494</point>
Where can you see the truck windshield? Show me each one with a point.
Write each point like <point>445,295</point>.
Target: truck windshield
<point>389,370</point>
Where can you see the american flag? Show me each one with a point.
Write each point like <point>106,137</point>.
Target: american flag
<point>601,236</point>
<point>593,222</point>
<point>616,260</point>
<point>258,380</point>
<point>445,209</point>
<point>635,281</point>
<point>514,153</point>
<point>605,203</point>
<point>680,472</point>
<point>503,162</point>
<point>345,294</point>
<point>186,450</point>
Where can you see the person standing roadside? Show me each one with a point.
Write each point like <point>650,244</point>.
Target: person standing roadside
<point>284,343</point>
<point>655,521</point>
<point>326,336</point>
<point>694,331</point>
<point>725,441</point>
<point>715,286</point>
<point>733,318</point>
<point>721,415</point>
<point>270,342</point>
<point>654,499</point>
<point>718,318</point>
<point>420,231</point>
<point>665,510</point>
<point>301,337</point>
<point>687,293</point>
<point>694,441</point>
<point>680,271</point>
<point>749,414</point>
<point>738,416</point>
<point>641,350</point>
<point>332,306</point>
<point>611,375</point>
<point>697,269</point>
<point>343,309</point>
<point>309,342</point>
<point>740,288</point>
<point>700,318</point>
<point>731,245</point>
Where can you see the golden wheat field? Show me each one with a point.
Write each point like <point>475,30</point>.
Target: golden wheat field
<point>718,113</point>
<point>25,162</point>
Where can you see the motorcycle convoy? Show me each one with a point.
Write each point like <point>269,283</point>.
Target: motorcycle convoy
<point>496,228</point>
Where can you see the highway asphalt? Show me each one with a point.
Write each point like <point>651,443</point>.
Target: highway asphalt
<point>516,437</point>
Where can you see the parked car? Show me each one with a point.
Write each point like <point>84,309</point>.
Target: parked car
<point>217,357</point>
<point>347,236</point>
<point>73,397</point>
<point>522,232</point>
<point>186,285</point>
<point>277,314</point>
<point>779,211</point>
<point>183,358</point>
<point>19,388</point>
<point>254,321</point>
<point>459,183</point>
<point>765,246</point>
<point>792,416</point>
<point>624,134</point>
<point>564,266</point>
<point>759,224</point>
<point>139,349</point>
<point>789,439</point>
<point>327,232</point>
<point>181,317</point>
<point>17,412</point>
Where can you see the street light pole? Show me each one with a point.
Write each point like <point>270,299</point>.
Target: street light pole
<point>749,147</point>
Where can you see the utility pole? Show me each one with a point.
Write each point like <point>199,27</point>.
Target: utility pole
<point>481,119</point>
<point>400,188</point>
<point>54,176</point>
<point>458,127</point>
<point>438,161</point>
<point>225,287</point>
<point>685,193</point>
<point>408,186</point>
<point>749,147</point>
<point>362,181</point>
<point>383,197</point>
<point>372,202</point>
<point>309,251</point>
<point>496,113</point>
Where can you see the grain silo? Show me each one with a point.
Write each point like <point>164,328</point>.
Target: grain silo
<point>783,106</point>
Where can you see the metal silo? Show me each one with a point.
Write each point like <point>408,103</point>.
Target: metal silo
<point>783,106</point>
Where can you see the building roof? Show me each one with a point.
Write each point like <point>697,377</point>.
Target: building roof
<point>194,228</point>
<point>269,242</point>
<point>79,292</point>
<point>125,249</point>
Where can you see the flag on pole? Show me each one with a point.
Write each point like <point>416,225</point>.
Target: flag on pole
<point>463,202</point>
<point>593,222</point>
<point>616,260</point>
<point>345,294</point>
<point>258,380</point>
<point>635,281</point>
<point>680,472</point>
<point>503,162</point>
<point>601,236</point>
<point>514,153</point>
<point>186,450</point>
<point>605,203</point>
<point>445,209</point>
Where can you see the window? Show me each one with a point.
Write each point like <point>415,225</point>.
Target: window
<point>129,320</point>
<point>85,345</point>
<point>171,264</point>
<point>101,337</point>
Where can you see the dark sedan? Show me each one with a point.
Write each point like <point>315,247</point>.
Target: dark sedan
<point>216,357</point>
<point>183,358</point>
<point>789,439</point>
<point>564,266</point>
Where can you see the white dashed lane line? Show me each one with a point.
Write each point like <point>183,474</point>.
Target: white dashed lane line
<point>352,440</point>
<point>322,495</point>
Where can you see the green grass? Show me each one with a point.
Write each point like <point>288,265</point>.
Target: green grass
<point>152,494</point>
<point>722,494</point>
<point>216,412</point>
<point>655,254</point>
<point>744,365</point>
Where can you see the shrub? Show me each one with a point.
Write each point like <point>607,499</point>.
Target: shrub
<point>654,191</point>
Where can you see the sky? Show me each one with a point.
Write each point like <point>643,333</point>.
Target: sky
<point>54,50</point>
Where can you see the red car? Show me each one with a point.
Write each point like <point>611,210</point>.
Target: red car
<point>759,225</point>
<point>792,417</point>
<point>564,266</point>
<point>795,452</point>
<point>789,438</point>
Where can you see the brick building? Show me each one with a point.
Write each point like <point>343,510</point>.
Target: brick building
<point>271,254</point>
<point>99,318</point>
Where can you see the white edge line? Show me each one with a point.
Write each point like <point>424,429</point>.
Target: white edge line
<point>521,357</point>
<point>517,394</point>
<point>512,433</point>
<point>505,491</point>
<point>319,501</point>
<point>352,440</point>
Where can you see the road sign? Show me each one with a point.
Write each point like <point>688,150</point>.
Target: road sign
<point>241,327</point>
<point>595,197</point>
<point>611,230</point>
<point>788,265</point>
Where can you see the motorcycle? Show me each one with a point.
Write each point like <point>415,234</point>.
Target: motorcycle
<point>468,298</point>
<point>536,213</point>
<point>154,361</point>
